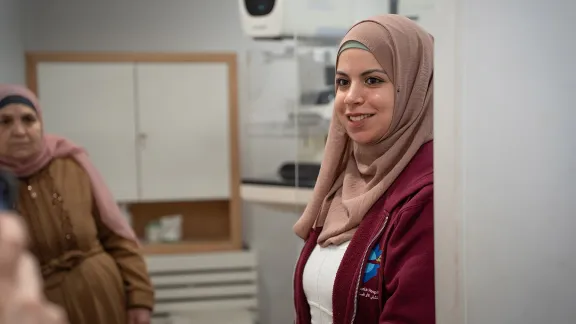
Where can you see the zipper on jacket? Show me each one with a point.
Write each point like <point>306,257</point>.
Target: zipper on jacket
<point>377,236</point>
<point>294,286</point>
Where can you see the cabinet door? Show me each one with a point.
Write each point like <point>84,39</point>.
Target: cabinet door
<point>183,113</point>
<point>92,104</point>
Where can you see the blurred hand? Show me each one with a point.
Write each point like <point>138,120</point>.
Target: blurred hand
<point>139,316</point>
<point>21,297</point>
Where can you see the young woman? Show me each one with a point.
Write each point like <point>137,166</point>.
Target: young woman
<point>88,254</point>
<point>369,252</point>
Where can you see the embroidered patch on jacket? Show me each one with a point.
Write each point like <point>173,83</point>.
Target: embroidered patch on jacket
<point>373,264</point>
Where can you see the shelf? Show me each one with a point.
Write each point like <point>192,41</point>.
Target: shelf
<point>281,196</point>
<point>207,226</point>
<point>187,247</point>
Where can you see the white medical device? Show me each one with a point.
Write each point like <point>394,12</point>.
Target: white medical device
<point>316,19</point>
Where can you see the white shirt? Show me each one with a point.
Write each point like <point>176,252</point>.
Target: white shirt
<point>318,280</point>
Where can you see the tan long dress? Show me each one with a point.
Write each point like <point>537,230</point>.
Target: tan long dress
<point>88,269</point>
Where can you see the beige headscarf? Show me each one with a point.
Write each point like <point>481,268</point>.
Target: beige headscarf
<point>352,176</point>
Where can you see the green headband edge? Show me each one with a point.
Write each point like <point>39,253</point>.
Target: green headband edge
<point>352,44</point>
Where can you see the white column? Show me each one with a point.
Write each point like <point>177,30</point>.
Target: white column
<point>505,161</point>
<point>11,49</point>
<point>448,179</point>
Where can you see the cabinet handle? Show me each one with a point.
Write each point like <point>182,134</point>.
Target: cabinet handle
<point>142,137</point>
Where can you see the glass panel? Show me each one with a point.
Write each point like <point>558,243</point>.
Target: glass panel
<point>289,123</point>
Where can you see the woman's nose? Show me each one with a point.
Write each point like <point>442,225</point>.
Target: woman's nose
<point>354,96</point>
<point>18,129</point>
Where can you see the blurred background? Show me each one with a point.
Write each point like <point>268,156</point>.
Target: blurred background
<point>208,120</point>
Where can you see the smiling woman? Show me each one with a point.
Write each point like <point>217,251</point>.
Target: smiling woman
<point>369,251</point>
<point>364,100</point>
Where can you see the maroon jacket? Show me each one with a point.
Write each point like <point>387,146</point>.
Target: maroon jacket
<point>387,273</point>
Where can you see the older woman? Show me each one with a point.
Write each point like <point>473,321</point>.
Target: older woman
<point>369,252</point>
<point>87,252</point>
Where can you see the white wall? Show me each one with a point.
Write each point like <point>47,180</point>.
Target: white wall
<point>508,211</point>
<point>187,26</point>
<point>11,52</point>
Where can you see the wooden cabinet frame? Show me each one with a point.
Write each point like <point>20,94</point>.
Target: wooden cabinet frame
<point>142,212</point>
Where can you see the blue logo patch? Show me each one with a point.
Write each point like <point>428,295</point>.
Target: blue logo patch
<point>373,264</point>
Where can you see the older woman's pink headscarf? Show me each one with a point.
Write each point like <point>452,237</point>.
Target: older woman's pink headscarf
<point>57,147</point>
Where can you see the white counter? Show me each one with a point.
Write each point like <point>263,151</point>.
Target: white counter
<point>286,197</point>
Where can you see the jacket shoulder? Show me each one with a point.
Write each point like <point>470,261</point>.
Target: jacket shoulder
<point>415,184</point>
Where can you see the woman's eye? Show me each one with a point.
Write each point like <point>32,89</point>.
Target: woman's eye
<point>28,119</point>
<point>5,121</point>
<point>372,81</point>
<point>341,82</point>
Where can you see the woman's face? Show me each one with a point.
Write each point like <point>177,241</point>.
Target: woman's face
<point>364,100</point>
<point>20,132</point>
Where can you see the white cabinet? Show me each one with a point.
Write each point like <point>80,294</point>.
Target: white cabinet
<point>162,128</point>
<point>157,131</point>
<point>93,105</point>
<point>183,120</point>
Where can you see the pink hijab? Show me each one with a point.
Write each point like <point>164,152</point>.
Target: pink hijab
<point>57,147</point>
<point>352,176</point>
